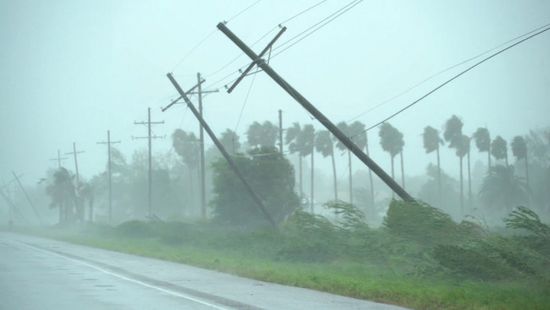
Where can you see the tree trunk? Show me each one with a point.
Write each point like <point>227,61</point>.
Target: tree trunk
<point>439,190</point>
<point>470,196</point>
<point>402,170</point>
<point>489,160</point>
<point>370,178</point>
<point>335,180</point>
<point>392,174</point>
<point>312,182</point>
<point>461,190</point>
<point>350,179</point>
<point>300,177</point>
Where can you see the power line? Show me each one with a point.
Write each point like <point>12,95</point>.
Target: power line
<point>452,79</point>
<point>242,11</point>
<point>317,26</point>
<point>443,71</point>
<point>244,103</point>
<point>234,59</point>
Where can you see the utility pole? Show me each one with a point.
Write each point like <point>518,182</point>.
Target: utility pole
<point>149,138</point>
<point>257,60</point>
<point>58,159</point>
<point>200,92</point>
<point>281,132</point>
<point>222,150</point>
<point>75,155</point>
<point>27,197</point>
<point>110,176</point>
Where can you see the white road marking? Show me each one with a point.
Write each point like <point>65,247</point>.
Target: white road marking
<point>114,274</point>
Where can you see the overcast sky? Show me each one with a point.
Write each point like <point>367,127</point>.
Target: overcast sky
<point>70,70</point>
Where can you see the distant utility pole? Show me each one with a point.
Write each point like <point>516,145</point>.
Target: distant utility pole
<point>110,176</point>
<point>27,197</point>
<point>281,131</point>
<point>149,138</point>
<point>221,148</point>
<point>75,155</point>
<point>259,61</point>
<point>58,159</point>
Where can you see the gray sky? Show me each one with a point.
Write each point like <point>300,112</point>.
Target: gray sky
<point>70,70</point>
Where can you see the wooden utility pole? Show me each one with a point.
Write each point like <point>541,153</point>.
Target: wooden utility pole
<point>257,60</point>
<point>109,176</point>
<point>149,138</point>
<point>27,197</point>
<point>75,155</point>
<point>58,159</point>
<point>199,92</point>
<point>221,148</point>
<point>281,131</point>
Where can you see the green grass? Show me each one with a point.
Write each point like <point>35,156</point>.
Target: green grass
<point>389,278</point>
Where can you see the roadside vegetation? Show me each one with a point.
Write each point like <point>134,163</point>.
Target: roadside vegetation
<point>419,258</point>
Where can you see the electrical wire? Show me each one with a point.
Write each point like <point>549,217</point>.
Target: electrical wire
<point>431,77</point>
<point>452,79</point>
<point>242,11</point>
<point>244,104</point>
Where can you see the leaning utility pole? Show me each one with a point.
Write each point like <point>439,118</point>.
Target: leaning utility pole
<point>110,175</point>
<point>149,138</point>
<point>257,60</point>
<point>58,159</point>
<point>222,150</point>
<point>281,132</point>
<point>75,155</point>
<point>199,92</point>
<point>27,197</point>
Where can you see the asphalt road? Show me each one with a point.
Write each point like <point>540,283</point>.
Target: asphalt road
<point>38,273</point>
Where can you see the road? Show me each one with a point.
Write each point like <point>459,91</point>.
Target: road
<point>37,273</point>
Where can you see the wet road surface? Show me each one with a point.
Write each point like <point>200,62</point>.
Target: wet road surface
<point>38,273</point>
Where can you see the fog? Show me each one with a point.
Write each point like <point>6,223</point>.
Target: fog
<point>388,74</point>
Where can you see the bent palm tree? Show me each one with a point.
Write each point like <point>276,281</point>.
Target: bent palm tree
<point>453,135</point>
<point>499,149</point>
<point>307,140</point>
<point>359,137</point>
<point>432,141</point>
<point>294,147</point>
<point>345,129</point>
<point>483,143</point>
<point>519,150</point>
<point>325,146</point>
<point>391,141</point>
<point>501,188</point>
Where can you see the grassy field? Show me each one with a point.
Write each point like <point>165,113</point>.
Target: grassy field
<point>419,259</point>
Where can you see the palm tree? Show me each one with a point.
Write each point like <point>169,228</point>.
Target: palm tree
<point>483,143</point>
<point>325,145</point>
<point>262,135</point>
<point>62,194</point>
<point>187,146</point>
<point>432,141</point>
<point>453,135</point>
<point>499,149</point>
<point>391,141</point>
<point>230,141</point>
<point>359,137</point>
<point>307,140</point>
<point>345,129</point>
<point>291,138</point>
<point>519,150</point>
<point>501,188</point>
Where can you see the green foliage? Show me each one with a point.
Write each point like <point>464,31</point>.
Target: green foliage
<point>502,189</point>
<point>308,237</point>
<point>324,143</point>
<point>271,177</point>
<point>526,219</point>
<point>391,139</point>
<point>453,132</point>
<point>482,139</point>
<point>422,223</point>
<point>230,141</point>
<point>349,218</point>
<point>519,147</point>
<point>262,135</point>
<point>499,148</point>
<point>431,139</point>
